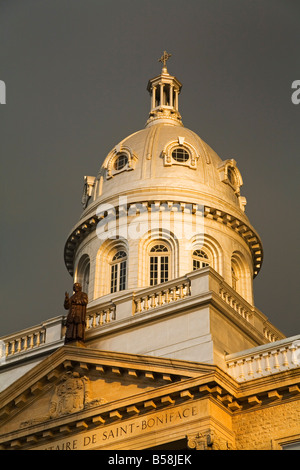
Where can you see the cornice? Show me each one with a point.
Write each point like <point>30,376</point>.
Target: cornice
<point>238,225</point>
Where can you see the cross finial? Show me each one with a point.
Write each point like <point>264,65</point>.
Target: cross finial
<point>164,58</point>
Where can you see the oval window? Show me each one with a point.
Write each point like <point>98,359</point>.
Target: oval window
<point>121,161</point>
<point>180,155</point>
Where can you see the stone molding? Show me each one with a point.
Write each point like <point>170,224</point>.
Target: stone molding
<point>182,384</point>
<point>240,227</point>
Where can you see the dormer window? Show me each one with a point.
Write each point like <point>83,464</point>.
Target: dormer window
<point>180,152</point>
<point>120,159</point>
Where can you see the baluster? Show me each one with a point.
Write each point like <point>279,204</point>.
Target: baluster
<point>267,361</point>
<point>138,305</point>
<point>160,300</point>
<point>31,341</point>
<point>259,369</point>
<point>293,348</point>
<point>101,318</point>
<point>241,364</point>
<point>153,303</point>
<point>249,361</point>
<point>107,317</point>
<point>276,363</point>
<point>285,359</point>
<point>175,293</point>
<point>181,295</point>
<point>43,334</point>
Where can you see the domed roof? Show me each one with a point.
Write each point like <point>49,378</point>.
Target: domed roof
<point>167,160</point>
<point>166,163</point>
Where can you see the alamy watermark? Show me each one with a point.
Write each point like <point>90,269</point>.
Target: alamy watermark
<point>2,92</point>
<point>296,94</point>
<point>135,221</point>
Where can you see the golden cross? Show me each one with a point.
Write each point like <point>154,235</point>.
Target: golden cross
<point>164,58</point>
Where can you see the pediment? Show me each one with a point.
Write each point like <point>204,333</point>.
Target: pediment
<point>76,382</point>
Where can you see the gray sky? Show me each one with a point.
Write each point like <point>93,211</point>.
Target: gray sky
<point>76,73</point>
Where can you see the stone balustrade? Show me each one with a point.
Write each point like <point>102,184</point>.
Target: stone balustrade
<point>192,289</point>
<point>264,360</point>
<point>27,341</point>
<point>161,295</point>
<point>100,317</point>
<point>231,298</point>
<point>32,339</point>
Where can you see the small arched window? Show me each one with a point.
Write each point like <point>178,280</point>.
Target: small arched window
<point>200,259</point>
<point>159,264</point>
<point>118,271</point>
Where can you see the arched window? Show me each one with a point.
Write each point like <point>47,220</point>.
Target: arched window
<point>86,278</point>
<point>83,273</point>
<point>118,271</point>
<point>159,264</point>
<point>200,259</point>
<point>234,277</point>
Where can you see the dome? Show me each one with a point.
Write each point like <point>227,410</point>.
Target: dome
<point>166,160</point>
<point>165,172</point>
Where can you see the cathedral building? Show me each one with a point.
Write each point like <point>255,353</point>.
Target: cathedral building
<point>175,355</point>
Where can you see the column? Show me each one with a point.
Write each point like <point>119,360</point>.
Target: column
<point>161,94</point>
<point>176,100</point>
<point>153,96</point>
<point>171,95</point>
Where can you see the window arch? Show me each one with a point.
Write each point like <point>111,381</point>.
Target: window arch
<point>200,259</point>
<point>83,273</point>
<point>241,275</point>
<point>118,271</point>
<point>159,263</point>
<point>180,152</point>
<point>120,159</point>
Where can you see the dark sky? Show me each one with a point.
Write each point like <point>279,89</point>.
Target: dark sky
<point>76,73</point>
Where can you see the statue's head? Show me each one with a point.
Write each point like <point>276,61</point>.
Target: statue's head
<point>77,287</point>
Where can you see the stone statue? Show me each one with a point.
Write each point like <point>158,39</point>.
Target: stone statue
<point>76,319</point>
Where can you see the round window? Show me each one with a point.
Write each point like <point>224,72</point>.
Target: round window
<point>180,155</point>
<point>121,161</point>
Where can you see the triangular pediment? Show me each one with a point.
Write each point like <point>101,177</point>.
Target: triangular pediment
<point>76,382</point>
